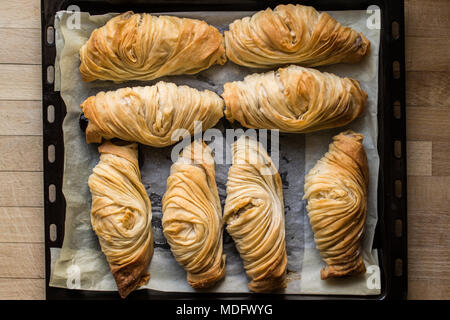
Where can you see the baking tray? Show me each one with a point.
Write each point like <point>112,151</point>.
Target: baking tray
<point>391,230</point>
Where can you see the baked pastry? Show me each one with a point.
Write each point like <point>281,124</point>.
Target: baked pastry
<point>192,216</point>
<point>145,47</point>
<point>292,34</point>
<point>336,190</point>
<point>254,215</point>
<point>294,99</point>
<point>157,116</point>
<point>121,215</point>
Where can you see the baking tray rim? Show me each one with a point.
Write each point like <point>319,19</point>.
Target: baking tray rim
<point>392,129</point>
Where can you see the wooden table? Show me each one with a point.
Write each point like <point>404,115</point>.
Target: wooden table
<point>428,133</point>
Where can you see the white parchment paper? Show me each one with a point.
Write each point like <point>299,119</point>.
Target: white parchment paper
<point>80,263</point>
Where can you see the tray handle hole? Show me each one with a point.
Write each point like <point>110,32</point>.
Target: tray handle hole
<point>53,232</point>
<point>396,70</point>
<point>50,74</point>
<point>398,149</point>
<point>52,193</point>
<point>51,113</point>
<point>50,35</point>
<point>397,110</point>
<point>398,267</point>
<point>398,228</point>
<point>398,188</point>
<point>51,153</point>
<point>395,30</point>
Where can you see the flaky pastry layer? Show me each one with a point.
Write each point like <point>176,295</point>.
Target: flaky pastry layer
<point>254,215</point>
<point>158,115</point>
<point>294,99</point>
<point>121,215</point>
<point>192,216</point>
<point>145,47</point>
<point>336,191</point>
<point>292,34</point>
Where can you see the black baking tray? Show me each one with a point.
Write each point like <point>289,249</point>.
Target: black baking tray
<point>390,236</point>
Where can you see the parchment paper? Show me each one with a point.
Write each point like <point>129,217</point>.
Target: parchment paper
<point>80,263</point>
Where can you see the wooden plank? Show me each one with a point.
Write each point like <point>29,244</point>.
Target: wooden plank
<point>22,260</point>
<point>428,264</point>
<point>427,54</point>
<point>21,224</point>
<point>428,89</point>
<point>21,153</point>
<point>428,123</point>
<point>21,189</point>
<point>419,158</point>
<point>428,289</point>
<point>20,82</point>
<point>20,14</point>
<point>25,51</point>
<point>428,193</point>
<point>441,158</point>
<point>429,18</point>
<point>20,117</point>
<point>428,229</point>
<point>22,289</point>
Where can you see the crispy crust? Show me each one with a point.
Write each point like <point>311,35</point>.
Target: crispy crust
<point>130,152</point>
<point>191,209</point>
<point>345,270</point>
<point>150,115</point>
<point>134,274</point>
<point>273,280</point>
<point>208,279</point>
<point>145,47</point>
<point>92,135</point>
<point>254,214</point>
<point>336,189</point>
<point>121,214</point>
<point>292,34</point>
<point>294,99</point>
<point>351,144</point>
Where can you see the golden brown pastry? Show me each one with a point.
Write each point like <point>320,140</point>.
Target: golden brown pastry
<point>254,215</point>
<point>294,99</point>
<point>292,34</point>
<point>145,47</point>
<point>121,215</point>
<point>152,115</point>
<point>336,190</point>
<point>192,216</point>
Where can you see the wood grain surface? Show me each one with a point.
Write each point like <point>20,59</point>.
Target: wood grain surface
<point>22,268</point>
